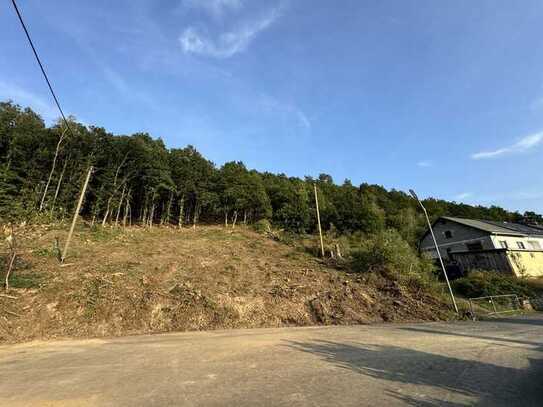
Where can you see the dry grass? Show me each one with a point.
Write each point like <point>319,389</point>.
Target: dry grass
<point>139,281</point>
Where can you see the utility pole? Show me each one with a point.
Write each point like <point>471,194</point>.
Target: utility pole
<point>318,218</point>
<point>76,214</point>
<point>414,195</point>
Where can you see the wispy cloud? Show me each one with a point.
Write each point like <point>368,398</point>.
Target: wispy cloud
<point>425,164</point>
<point>26,98</point>
<point>216,8</point>
<point>273,105</point>
<point>523,145</point>
<point>125,89</point>
<point>227,44</point>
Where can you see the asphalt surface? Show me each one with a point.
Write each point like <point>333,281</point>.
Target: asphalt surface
<point>496,363</point>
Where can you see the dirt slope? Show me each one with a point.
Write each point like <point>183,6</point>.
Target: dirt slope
<point>158,280</point>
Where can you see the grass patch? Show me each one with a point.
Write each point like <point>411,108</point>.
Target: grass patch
<point>25,279</point>
<point>103,234</point>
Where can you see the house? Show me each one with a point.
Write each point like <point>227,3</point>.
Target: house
<point>467,244</point>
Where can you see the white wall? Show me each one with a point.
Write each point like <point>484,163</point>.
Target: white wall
<point>512,242</point>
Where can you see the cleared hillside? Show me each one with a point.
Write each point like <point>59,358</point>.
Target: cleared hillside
<point>163,279</point>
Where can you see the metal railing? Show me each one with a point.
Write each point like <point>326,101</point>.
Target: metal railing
<point>494,305</point>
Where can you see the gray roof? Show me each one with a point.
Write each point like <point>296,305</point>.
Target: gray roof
<point>499,228</point>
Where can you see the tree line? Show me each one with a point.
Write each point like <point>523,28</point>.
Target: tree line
<point>138,180</point>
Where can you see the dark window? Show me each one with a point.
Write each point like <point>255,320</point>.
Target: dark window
<point>521,245</point>
<point>504,244</point>
<point>448,234</point>
<point>475,246</point>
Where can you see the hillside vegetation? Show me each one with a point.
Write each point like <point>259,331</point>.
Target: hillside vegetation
<point>136,179</point>
<point>144,262</point>
<point>156,280</point>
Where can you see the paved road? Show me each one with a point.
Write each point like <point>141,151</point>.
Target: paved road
<point>498,363</point>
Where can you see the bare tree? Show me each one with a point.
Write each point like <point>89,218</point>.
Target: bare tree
<point>115,188</point>
<point>10,240</point>
<point>57,190</point>
<point>166,219</point>
<point>57,150</point>
<point>181,210</point>
<point>120,205</point>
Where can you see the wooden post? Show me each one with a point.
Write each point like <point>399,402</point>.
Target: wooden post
<point>76,214</point>
<point>318,218</point>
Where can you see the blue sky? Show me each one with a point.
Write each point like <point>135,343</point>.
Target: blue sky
<point>442,96</point>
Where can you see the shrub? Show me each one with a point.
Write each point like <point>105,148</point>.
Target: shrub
<point>485,283</point>
<point>388,253</point>
<point>262,226</point>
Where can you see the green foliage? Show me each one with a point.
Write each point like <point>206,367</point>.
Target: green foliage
<point>388,253</point>
<point>486,283</point>
<point>138,175</point>
<point>262,226</point>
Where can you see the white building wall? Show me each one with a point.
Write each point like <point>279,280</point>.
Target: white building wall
<point>512,242</point>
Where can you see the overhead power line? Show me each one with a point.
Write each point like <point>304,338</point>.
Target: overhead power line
<point>41,66</point>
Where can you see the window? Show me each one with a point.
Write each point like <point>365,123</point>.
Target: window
<point>448,234</point>
<point>521,245</point>
<point>475,246</point>
<point>534,245</point>
<point>504,244</point>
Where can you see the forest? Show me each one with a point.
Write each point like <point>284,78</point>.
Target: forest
<point>138,180</point>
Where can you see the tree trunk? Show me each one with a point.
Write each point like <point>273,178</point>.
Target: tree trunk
<point>235,219</point>
<point>57,190</point>
<point>225,219</point>
<point>152,216</point>
<point>143,218</point>
<point>338,251</point>
<point>125,216</point>
<point>115,188</point>
<point>168,209</point>
<point>52,169</point>
<point>104,220</point>
<point>12,251</point>
<point>120,206</point>
<point>195,219</point>
<point>181,209</point>
<point>245,217</point>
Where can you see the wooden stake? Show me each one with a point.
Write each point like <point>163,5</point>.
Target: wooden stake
<point>318,218</point>
<point>76,214</point>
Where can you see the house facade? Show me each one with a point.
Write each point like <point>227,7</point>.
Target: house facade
<point>469,244</point>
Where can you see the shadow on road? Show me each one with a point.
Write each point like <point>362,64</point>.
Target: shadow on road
<point>490,384</point>
<point>470,335</point>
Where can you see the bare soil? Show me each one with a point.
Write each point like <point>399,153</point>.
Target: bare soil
<point>120,282</point>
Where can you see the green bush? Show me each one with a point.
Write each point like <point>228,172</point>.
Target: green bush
<point>262,226</point>
<point>485,283</point>
<point>388,253</point>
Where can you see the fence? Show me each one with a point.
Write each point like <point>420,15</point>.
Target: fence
<point>494,305</point>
